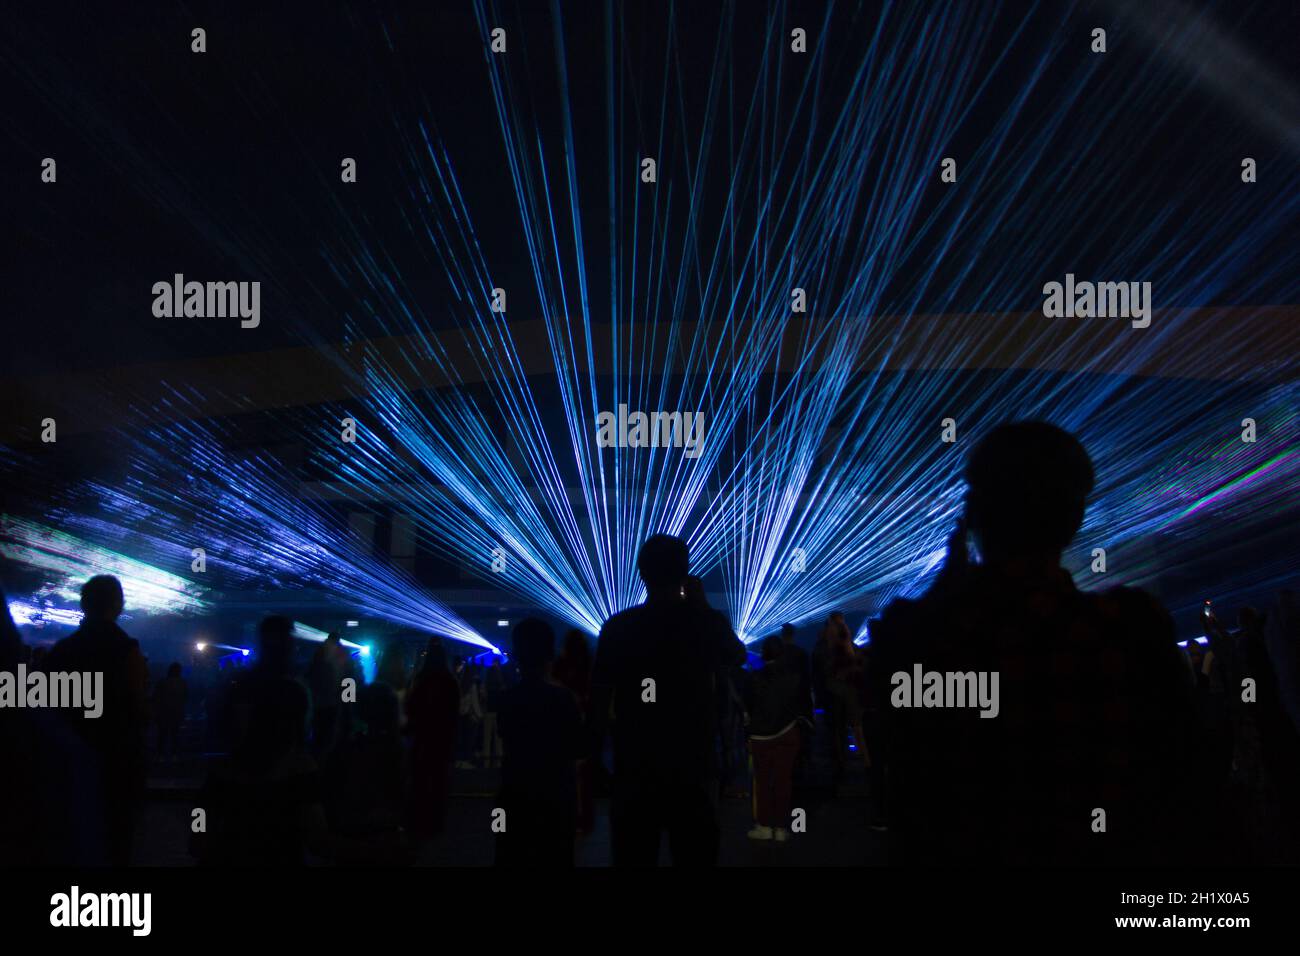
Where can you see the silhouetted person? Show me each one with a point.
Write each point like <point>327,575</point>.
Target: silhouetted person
<point>776,711</point>
<point>325,680</point>
<point>800,661</point>
<point>169,710</point>
<point>658,663</point>
<point>366,777</point>
<point>731,738</point>
<point>844,679</point>
<point>1093,704</point>
<point>1272,642</point>
<point>796,660</point>
<point>50,800</point>
<point>271,668</point>
<point>542,732</point>
<point>431,710</point>
<point>471,715</point>
<point>117,736</point>
<point>572,669</point>
<point>264,803</point>
<point>494,682</point>
<point>394,668</point>
<point>817,666</point>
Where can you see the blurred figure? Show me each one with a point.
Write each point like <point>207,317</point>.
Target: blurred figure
<point>800,661</point>
<point>818,667</point>
<point>1281,633</point>
<point>431,709</point>
<point>657,664</point>
<point>843,692</point>
<point>394,667</point>
<point>541,728</point>
<point>325,676</point>
<point>366,778</point>
<point>494,682</point>
<point>844,683</point>
<point>1276,637</point>
<point>169,711</point>
<point>776,710</point>
<point>1092,704</point>
<point>471,715</point>
<point>264,803</point>
<point>271,668</point>
<point>117,736</point>
<point>573,670</point>
<point>731,739</point>
<point>796,660</point>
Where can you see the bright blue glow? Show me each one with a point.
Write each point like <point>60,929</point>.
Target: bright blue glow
<point>308,633</point>
<point>72,561</point>
<point>255,533</point>
<point>204,645</point>
<point>838,457</point>
<point>24,614</point>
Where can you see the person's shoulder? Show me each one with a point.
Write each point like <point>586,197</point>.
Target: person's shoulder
<point>629,615</point>
<point>64,646</point>
<point>720,620</point>
<point>619,624</point>
<point>1132,609</point>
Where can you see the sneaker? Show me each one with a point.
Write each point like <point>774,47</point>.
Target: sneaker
<point>760,833</point>
<point>781,834</point>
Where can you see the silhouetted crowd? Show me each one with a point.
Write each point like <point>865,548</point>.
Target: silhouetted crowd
<point>1110,742</point>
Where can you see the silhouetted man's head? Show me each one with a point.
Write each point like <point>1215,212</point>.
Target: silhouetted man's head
<point>275,643</point>
<point>1029,483</point>
<point>534,645</point>
<point>787,633</point>
<point>101,598</point>
<point>664,563</point>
